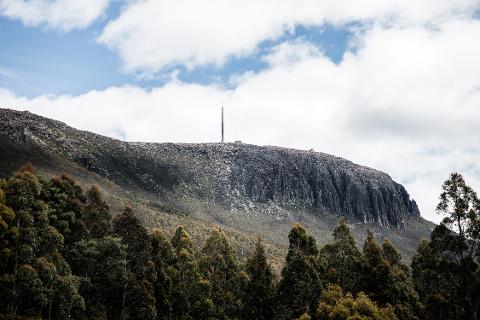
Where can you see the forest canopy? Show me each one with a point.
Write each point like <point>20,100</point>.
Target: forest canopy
<point>64,256</point>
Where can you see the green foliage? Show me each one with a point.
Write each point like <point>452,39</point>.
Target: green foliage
<point>26,291</point>
<point>28,242</point>
<point>3,185</point>
<point>305,316</point>
<point>335,304</point>
<point>300,240</point>
<point>191,293</point>
<point>65,201</point>
<point>39,282</point>
<point>22,190</point>
<point>219,266</point>
<point>342,259</point>
<point>164,259</point>
<point>388,281</point>
<point>137,239</point>
<point>390,253</point>
<point>445,269</point>
<point>258,296</point>
<point>102,263</point>
<point>300,286</point>
<point>97,214</point>
<point>62,257</point>
<point>9,233</point>
<point>138,300</point>
<point>447,283</point>
<point>430,284</point>
<point>181,241</point>
<point>460,204</point>
<point>60,288</point>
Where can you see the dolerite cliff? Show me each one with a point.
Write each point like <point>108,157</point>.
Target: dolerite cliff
<point>246,187</point>
<point>247,178</point>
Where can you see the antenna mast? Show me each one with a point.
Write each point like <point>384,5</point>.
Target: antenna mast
<point>222,127</point>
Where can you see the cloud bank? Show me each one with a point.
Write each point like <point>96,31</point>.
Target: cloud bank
<point>64,15</point>
<point>152,34</point>
<point>405,99</point>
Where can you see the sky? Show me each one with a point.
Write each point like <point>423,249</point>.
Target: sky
<point>393,85</point>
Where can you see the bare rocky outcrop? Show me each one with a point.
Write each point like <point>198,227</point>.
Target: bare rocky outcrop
<point>239,177</point>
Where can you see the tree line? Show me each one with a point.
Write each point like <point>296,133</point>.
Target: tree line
<point>63,256</point>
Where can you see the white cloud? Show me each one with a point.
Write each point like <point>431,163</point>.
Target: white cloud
<point>59,14</point>
<point>291,52</point>
<point>406,102</point>
<point>134,113</point>
<point>152,34</point>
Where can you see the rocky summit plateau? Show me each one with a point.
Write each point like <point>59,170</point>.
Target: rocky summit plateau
<point>245,189</point>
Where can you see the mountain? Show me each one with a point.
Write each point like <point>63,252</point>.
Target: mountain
<point>248,190</point>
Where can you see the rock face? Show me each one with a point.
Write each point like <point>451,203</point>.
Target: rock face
<point>238,177</point>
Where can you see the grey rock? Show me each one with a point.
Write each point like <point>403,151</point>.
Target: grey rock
<point>240,177</point>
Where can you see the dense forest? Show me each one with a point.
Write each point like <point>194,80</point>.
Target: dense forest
<point>63,256</point>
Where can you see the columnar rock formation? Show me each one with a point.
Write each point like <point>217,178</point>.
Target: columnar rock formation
<point>238,177</point>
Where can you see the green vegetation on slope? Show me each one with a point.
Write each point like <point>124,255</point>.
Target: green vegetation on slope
<point>248,190</point>
<point>63,256</point>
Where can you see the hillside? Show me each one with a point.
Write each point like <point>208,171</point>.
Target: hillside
<point>248,190</point>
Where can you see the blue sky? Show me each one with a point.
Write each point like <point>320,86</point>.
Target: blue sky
<point>391,84</point>
<point>41,60</point>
